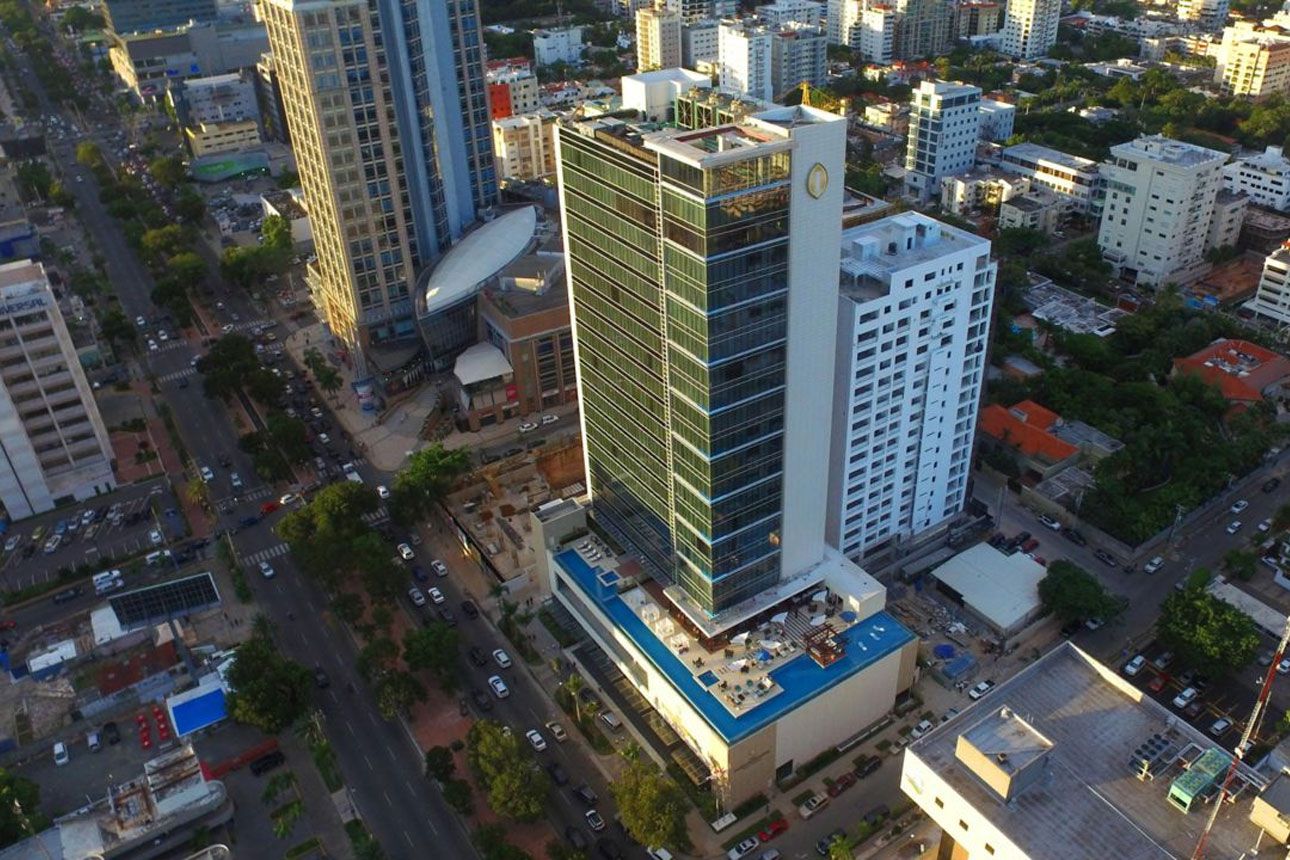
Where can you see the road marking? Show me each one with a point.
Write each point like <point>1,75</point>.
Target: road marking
<point>369,766</point>
<point>409,838</point>
<point>266,554</point>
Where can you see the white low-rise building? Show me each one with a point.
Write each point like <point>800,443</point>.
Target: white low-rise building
<point>979,189</point>
<point>1273,297</point>
<point>653,94</point>
<point>913,320</point>
<point>1264,177</point>
<point>563,45</point>
<point>997,119</point>
<point>1074,178</point>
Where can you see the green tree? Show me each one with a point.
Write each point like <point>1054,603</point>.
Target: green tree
<point>33,180</point>
<point>1073,594</point>
<point>1209,635</point>
<point>168,170</point>
<point>440,764</point>
<point>377,657</point>
<point>425,479</point>
<point>348,607</point>
<point>187,267</point>
<point>290,435</point>
<point>190,205</point>
<point>80,19</point>
<point>1281,519</point>
<point>434,648</point>
<point>490,839</point>
<point>269,691</point>
<point>115,327</point>
<point>652,806</point>
<point>1240,563</point>
<point>20,814</point>
<point>840,848</point>
<point>160,244</point>
<point>516,786</point>
<point>329,380</point>
<point>276,231</point>
<point>89,154</point>
<point>397,692</point>
<point>456,793</point>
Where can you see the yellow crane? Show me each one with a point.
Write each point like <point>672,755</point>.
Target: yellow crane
<point>818,98</point>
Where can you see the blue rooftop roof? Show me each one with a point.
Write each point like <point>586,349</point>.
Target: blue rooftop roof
<point>801,679</point>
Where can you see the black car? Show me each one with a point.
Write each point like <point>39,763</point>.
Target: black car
<point>1019,539</point>
<point>576,837</point>
<point>826,842</point>
<point>558,775</point>
<point>445,614</point>
<point>481,701</point>
<point>586,795</point>
<point>1070,628</point>
<point>111,733</point>
<point>470,610</point>
<point>868,766</point>
<point>608,849</point>
<point>477,656</point>
<point>1105,557</point>
<point>68,594</point>
<point>1271,484</point>
<point>266,763</point>
<point>1074,537</point>
<point>320,678</point>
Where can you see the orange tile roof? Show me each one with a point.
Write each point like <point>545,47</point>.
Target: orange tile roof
<point>1028,434</point>
<point>1241,370</point>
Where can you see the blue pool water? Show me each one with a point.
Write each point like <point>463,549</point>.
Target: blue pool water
<point>801,679</point>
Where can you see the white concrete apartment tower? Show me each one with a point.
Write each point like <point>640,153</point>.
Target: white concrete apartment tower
<point>944,123</point>
<point>1159,202</point>
<point>1030,28</point>
<point>744,54</point>
<point>913,319</point>
<point>53,445</point>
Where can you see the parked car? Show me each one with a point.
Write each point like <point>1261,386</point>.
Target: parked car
<point>321,680</point>
<point>1234,526</point>
<point>503,659</point>
<point>576,838</point>
<point>1238,506</point>
<point>586,795</point>
<point>923,727</point>
<point>1265,525</point>
<point>111,733</point>
<point>436,596</point>
<point>406,553</point>
<point>1162,660</point>
<point>1154,564</point>
<point>841,784</point>
<point>1271,484</point>
<point>1134,666</point>
<point>498,686</point>
<point>536,740</point>
<point>558,774</point>
<point>1220,725</point>
<point>439,568</point>
<point>825,845</point>
<point>1050,522</point>
<point>477,656</point>
<point>1157,684</point>
<point>528,427</point>
<point>469,608</point>
<point>813,805</point>
<point>266,763</point>
<point>1283,668</point>
<point>481,700</point>
<point>1185,698</point>
<point>980,690</point>
<point>1105,557</point>
<point>743,849</point>
<point>1074,537</point>
<point>594,821</point>
<point>775,828</point>
<point>415,595</point>
<point>557,731</point>
<point>61,756</point>
<point>867,766</point>
<point>266,570</point>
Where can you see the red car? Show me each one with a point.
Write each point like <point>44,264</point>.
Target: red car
<point>8,624</point>
<point>269,507</point>
<point>1030,545</point>
<point>773,829</point>
<point>1156,684</point>
<point>842,783</point>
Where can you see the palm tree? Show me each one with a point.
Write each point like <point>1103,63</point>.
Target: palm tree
<point>314,360</point>
<point>840,848</point>
<point>574,685</point>
<point>329,379</point>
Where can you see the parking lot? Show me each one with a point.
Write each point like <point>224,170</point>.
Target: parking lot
<point>122,526</point>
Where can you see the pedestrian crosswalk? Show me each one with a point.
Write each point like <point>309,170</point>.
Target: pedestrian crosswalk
<point>178,375</point>
<point>376,517</point>
<point>266,554</point>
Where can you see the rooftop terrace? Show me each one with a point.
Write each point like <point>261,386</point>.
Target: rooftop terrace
<point>762,673</point>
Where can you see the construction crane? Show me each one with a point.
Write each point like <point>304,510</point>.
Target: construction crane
<point>818,98</point>
<point>1243,747</point>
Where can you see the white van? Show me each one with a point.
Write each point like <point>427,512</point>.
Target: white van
<point>108,580</point>
<point>92,741</point>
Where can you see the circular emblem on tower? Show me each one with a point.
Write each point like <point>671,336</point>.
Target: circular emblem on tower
<point>817,180</point>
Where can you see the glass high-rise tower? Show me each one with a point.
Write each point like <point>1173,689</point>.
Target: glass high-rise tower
<point>388,113</point>
<point>702,269</point>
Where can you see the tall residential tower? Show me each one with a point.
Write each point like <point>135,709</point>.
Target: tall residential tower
<point>388,112</point>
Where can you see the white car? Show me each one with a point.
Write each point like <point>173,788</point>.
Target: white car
<point>266,570</point>
<point>528,427</point>
<point>436,596</point>
<point>61,756</point>
<point>557,731</point>
<point>550,419</point>
<point>1186,697</point>
<point>1154,565</point>
<point>503,659</point>
<point>1239,506</point>
<point>154,537</point>
<point>1266,525</point>
<point>1234,527</point>
<point>535,740</point>
<point>406,553</point>
<point>743,849</point>
<point>12,543</point>
<point>1134,666</point>
<point>415,595</point>
<point>1220,725</point>
<point>594,821</point>
<point>980,690</point>
<point>207,474</point>
<point>152,345</point>
<point>51,545</point>
<point>1049,522</point>
<point>921,729</point>
<point>382,491</point>
<point>324,438</point>
<point>498,686</point>
<point>439,568</point>
<point>163,335</point>
<point>141,322</point>
<point>287,498</point>
<point>1283,668</point>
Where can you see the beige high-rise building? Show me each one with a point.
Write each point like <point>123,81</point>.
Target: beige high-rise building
<point>54,445</point>
<point>658,39</point>
<point>524,145</point>
<point>1253,62</point>
<point>1030,28</point>
<point>394,148</point>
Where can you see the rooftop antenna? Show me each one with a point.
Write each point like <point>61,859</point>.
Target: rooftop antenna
<point>1251,725</point>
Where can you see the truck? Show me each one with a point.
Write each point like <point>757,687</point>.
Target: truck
<point>351,473</point>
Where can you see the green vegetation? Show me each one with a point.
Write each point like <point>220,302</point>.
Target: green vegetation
<point>271,692</point>
<point>250,265</point>
<point>1073,594</point>
<point>424,480</point>
<point>1207,634</point>
<point>434,648</point>
<point>20,814</point>
<point>1124,385</point>
<point>516,786</point>
<point>490,839</point>
<point>363,842</point>
<point>651,805</point>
